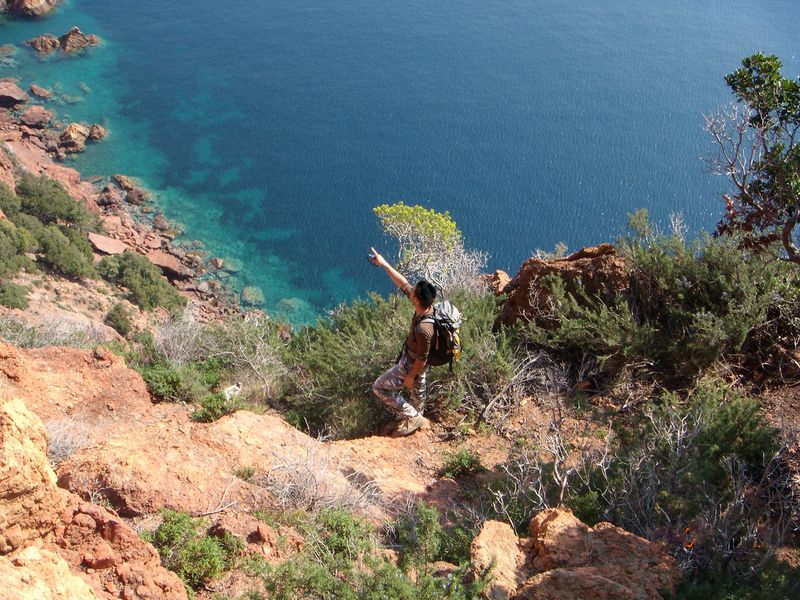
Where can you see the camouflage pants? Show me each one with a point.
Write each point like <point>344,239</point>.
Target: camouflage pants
<point>389,387</point>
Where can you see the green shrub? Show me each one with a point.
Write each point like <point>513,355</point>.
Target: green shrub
<point>13,295</point>
<point>62,256</point>
<point>174,383</point>
<point>147,288</point>
<point>215,406</point>
<point>9,202</point>
<point>48,201</point>
<point>119,319</point>
<point>463,462</point>
<point>195,558</point>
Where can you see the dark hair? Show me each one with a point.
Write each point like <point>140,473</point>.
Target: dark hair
<point>426,293</point>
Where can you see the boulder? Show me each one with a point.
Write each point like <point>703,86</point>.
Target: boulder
<point>110,196</point>
<point>160,222</point>
<point>35,574</point>
<point>31,8</point>
<point>598,271</point>
<point>172,267</point>
<point>44,44</point>
<point>11,94</point>
<point>40,92</point>
<point>29,500</point>
<point>75,40</point>
<point>125,182</point>
<point>36,116</point>
<point>137,195</point>
<point>107,245</point>
<point>496,282</point>
<point>497,546</point>
<point>97,132</point>
<point>74,138</point>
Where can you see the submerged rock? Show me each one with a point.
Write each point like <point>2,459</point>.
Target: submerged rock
<point>252,296</point>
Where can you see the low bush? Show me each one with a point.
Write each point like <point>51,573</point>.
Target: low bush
<point>342,560</point>
<point>196,558</point>
<point>14,242</point>
<point>463,462</point>
<point>119,319</point>
<point>147,288</point>
<point>9,202</point>
<point>215,406</point>
<point>13,295</point>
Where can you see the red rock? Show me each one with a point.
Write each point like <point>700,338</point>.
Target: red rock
<point>599,271</point>
<point>107,245</point>
<point>11,94</point>
<point>97,132</point>
<point>125,182</point>
<point>31,8</point>
<point>101,556</point>
<point>44,44</point>
<point>497,547</point>
<point>40,92</point>
<point>36,116</point>
<point>160,223</point>
<point>172,267</point>
<point>74,138</point>
<point>74,40</point>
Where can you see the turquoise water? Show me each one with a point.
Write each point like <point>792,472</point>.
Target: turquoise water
<point>270,129</point>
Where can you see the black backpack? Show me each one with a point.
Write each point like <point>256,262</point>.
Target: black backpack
<point>446,342</point>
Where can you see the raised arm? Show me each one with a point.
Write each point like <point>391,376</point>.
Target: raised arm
<point>396,277</point>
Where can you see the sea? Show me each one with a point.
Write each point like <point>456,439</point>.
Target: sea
<point>269,129</point>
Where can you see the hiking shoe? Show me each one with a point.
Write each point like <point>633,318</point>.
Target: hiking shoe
<point>408,426</point>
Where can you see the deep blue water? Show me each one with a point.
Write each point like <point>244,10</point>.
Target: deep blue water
<point>270,129</point>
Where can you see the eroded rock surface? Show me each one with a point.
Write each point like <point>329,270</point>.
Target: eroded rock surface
<point>565,558</point>
<point>11,95</point>
<point>30,8</point>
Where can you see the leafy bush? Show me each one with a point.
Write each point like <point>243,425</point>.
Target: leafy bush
<point>689,304</point>
<point>195,558</point>
<point>174,383</point>
<point>146,286</point>
<point>9,202</point>
<point>463,462</point>
<point>62,256</point>
<point>13,295</point>
<point>48,201</point>
<point>119,319</point>
<point>13,243</point>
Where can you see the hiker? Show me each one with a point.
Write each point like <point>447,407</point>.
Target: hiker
<point>411,370</point>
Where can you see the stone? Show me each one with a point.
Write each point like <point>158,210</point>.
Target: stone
<point>252,296</point>
<point>74,138</point>
<point>598,271</point>
<point>125,182</point>
<point>107,245</point>
<point>36,116</point>
<point>101,556</point>
<point>160,222</point>
<point>110,196</point>
<point>216,263</point>
<point>497,545</point>
<point>40,92</point>
<point>37,574</point>
<point>44,44</point>
<point>137,196</point>
<point>97,132</point>
<point>30,502</point>
<point>11,94</point>
<point>172,267</point>
<point>75,40</point>
<point>31,8</point>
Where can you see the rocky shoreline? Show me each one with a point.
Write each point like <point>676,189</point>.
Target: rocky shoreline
<point>33,140</point>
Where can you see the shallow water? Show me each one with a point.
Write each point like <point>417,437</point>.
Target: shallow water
<point>271,129</point>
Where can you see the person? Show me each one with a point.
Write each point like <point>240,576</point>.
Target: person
<point>411,370</point>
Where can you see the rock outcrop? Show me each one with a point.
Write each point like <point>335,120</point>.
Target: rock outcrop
<point>73,139</point>
<point>44,44</point>
<point>54,545</point>
<point>71,42</point>
<point>40,92</point>
<point>30,8</point>
<point>564,558</point>
<point>599,272</point>
<point>36,117</point>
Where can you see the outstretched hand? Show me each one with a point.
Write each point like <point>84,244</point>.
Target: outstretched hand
<point>376,259</point>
